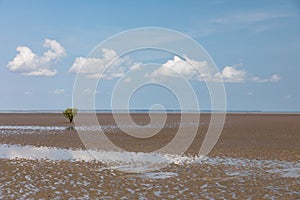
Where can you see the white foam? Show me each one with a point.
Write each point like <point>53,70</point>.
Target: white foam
<point>43,128</point>
<point>108,128</point>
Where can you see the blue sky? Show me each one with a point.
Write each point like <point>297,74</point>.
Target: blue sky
<point>255,45</point>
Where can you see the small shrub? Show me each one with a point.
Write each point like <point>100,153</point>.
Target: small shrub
<point>70,113</point>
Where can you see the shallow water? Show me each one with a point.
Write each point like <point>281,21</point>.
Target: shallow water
<point>144,162</point>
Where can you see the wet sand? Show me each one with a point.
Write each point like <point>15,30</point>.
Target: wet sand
<point>246,139</point>
<point>255,136</point>
<point>63,179</point>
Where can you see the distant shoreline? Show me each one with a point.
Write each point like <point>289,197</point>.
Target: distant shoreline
<point>143,111</point>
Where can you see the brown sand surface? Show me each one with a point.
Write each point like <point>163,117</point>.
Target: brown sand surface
<point>23,179</point>
<point>259,136</point>
<point>272,138</point>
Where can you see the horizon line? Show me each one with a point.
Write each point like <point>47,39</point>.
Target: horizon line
<point>146,110</point>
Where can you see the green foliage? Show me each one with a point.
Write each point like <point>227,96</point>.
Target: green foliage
<point>70,113</point>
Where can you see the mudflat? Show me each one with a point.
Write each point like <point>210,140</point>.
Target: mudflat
<point>257,156</point>
<point>255,136</point>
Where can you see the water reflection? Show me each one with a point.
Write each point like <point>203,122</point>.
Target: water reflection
<point>70,128</point>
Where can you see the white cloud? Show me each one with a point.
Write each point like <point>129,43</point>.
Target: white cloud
<point>30,64</point>
<point>93,67</point>
<point>273,79</point>
<point>135,66</point>
<point>176,67</point>
<point>55,51</point>
<point>190,69</point>
<point>232,75</point>
<point>200,70</point>
<point>41,72</point>
<point>86,65</point>
<point>250,93</point>
<point>57,91</point>
<point>172,68</point>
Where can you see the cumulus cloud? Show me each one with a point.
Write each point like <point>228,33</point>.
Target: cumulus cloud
<point>201,70</point>
<point>57,91</point>
<point>109,66</point>
<point>174,68</point>
<point>28,63</point>
<point>232,74</point>
<point>198,70</point>
<point>188,68</point>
